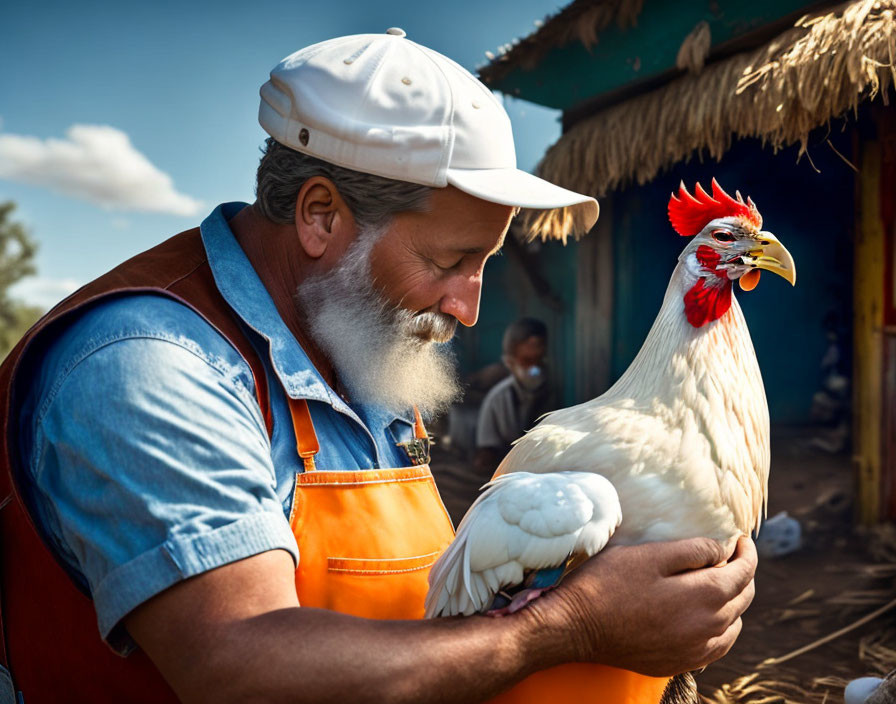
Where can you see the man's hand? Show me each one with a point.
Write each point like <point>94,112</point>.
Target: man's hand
<point>657,609</point>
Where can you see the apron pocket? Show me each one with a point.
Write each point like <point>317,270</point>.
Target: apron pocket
<point>387,588</point>
<point>381,566</point>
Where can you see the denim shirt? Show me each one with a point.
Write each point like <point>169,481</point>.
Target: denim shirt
<point>147,453</point>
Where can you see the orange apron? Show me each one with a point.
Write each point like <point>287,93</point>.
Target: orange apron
<point>367,539</point>
<point>585,684</point>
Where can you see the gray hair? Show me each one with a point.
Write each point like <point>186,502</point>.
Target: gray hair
<point>373,200</point>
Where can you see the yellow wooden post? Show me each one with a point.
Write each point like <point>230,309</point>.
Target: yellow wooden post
<point>867,335</point>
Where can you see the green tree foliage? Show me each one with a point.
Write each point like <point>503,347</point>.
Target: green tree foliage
<point>17,250</point>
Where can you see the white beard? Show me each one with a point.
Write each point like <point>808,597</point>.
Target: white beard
<point>382,354</point>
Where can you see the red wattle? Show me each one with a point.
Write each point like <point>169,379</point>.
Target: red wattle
<point>707,302</point>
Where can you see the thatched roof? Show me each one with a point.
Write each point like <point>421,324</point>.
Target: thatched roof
<point>818,70</point>
<point>581,20</point>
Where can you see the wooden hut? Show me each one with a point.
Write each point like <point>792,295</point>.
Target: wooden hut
<point>785,100</point>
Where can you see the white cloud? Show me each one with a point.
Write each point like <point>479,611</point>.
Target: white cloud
<point>96,163</point>
<point>43,292</point>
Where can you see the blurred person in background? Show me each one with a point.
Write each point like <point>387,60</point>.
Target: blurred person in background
<point>513,405</point>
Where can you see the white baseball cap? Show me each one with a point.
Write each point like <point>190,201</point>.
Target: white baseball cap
<point>384,105</point>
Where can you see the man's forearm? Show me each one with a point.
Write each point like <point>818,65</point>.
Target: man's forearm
<point>237,634</point>
<point>313,655</point>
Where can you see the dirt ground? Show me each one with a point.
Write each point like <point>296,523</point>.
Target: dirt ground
<point>840,575</point>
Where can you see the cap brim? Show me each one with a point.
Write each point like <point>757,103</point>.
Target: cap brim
<point>522,189</point>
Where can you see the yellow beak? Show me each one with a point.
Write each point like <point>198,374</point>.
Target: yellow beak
<point>773,256</point>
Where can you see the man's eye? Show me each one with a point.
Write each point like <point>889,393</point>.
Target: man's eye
<point>447,266</point>
<point>723,236</point>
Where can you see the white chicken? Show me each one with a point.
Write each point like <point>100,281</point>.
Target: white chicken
<point>682,437</point>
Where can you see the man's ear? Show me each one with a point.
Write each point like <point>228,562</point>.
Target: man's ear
<point>323,219</point>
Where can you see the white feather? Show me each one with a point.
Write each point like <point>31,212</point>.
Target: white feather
<point>521,521</point>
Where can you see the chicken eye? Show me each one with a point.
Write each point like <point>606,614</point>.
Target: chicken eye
<point>723,236</point>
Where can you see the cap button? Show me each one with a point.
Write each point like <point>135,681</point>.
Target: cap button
<point>396,32</point>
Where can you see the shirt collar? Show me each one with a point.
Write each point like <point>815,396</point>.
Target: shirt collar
<point>241,287</point>
<point>244,291</point>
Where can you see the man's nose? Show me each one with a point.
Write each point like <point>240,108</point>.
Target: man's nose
<point>462,299</point>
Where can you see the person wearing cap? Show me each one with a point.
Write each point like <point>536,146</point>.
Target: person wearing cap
<point>215,459</point>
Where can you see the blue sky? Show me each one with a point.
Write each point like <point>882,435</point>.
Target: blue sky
<point>171,91</point>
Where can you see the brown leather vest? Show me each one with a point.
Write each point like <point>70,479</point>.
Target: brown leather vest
<point>50,641</point>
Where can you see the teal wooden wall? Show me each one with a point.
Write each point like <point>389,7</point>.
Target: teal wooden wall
<point>571,74</point>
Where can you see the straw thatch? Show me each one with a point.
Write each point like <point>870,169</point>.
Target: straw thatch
<point>818,70</point>
<point>695,49</point>
<point>582,20</point>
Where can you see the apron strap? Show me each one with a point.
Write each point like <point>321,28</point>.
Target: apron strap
<point>306,438</point>
<point>419,430</point>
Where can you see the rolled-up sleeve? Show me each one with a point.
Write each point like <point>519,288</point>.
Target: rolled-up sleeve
<point>151,464</point>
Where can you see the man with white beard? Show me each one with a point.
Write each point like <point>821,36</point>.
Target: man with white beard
<point>372,343</point>
<point>220,443</point>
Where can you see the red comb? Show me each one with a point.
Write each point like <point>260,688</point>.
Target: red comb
<point>690,214</point>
